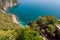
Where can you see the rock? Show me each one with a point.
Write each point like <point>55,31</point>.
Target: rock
<point>4,4</point>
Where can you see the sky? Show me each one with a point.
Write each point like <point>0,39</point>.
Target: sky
<point>41,1</point>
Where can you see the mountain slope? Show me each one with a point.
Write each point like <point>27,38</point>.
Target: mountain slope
<point>6,22</point>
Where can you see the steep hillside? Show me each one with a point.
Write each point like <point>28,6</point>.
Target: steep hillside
<point>6,22</point>
<point>4,4</point>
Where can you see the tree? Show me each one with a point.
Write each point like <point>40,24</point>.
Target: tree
<point>50,28</point>
<point>7,35</point>
<point>51,31</point>
<point>45,20</point>
<point>33,25</point>
<point>28,34</point>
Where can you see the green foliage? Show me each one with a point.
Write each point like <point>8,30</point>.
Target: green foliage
<point>50,29</point>
<point>45,20</point>
<point>6,22</point>
<point>28,34</point>
<point>10,30</point>
<point>57,22</point>
<point>7,27</point>
<point>46,23</point>
<point>33,25</point>
<point>6,35</point>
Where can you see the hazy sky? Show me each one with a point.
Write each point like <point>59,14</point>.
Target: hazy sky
<point>42,1</point>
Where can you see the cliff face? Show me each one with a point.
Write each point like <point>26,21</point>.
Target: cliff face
<point>4,4</point>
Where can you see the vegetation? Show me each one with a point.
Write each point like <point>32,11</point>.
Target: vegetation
<point>50,29</point>
<point>28,34</point>
<point>12,31</point>
<point>43,25</point>
<point>33,25</point>
<point>7,27</point>
<point>7,35</point>
<point>6,22</point>
<point>45,20</point>
<point>46,25</point>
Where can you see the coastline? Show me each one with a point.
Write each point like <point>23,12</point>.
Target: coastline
<point>14,17</point>
<point>7,5</point>
<point>15,20</point>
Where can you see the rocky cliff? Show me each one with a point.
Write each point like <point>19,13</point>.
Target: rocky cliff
<point>4,4</point>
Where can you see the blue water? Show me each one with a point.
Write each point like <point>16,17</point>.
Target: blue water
<point>29,10</point>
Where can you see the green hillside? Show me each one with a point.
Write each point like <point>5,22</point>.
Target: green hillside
<point>6,22</point>
<point>7,27</point>
<point>12,31</point>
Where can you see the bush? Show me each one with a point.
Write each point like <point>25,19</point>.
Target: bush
<point>27,34</point>
<point>45,20</point>
<point>6,22</point>
<point>33,25</point>
<point>50,29</point>
<point>6,35</point>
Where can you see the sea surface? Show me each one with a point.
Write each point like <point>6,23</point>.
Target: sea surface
<point>29,10</point>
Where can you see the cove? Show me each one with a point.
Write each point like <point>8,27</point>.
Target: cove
<point>29,10</point>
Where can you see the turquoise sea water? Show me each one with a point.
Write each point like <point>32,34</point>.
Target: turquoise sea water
<point>29,10</point>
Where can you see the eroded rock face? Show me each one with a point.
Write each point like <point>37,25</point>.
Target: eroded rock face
<point>4,4</point>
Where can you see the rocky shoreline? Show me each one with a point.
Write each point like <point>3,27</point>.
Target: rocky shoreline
<point>7,3</point>
<point>14,18</point>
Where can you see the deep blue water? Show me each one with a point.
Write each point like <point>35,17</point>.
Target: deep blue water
<point>29,10</point>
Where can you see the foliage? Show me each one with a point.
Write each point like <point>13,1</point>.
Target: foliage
<point>28,34</point>
<point>57,22</point>
<point>46,23</point>
<point>33,25</point>
<point>12,31</point>
<point>6,22</point>
<point>6,35</point>
<point>45,20</point>
<point>50,29</point>
<point>7,27</point>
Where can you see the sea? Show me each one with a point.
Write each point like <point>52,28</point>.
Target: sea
<point>30,10</point>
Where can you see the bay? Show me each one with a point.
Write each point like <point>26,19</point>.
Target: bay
<point>29,10</point>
